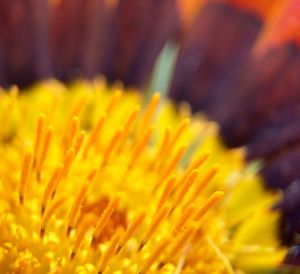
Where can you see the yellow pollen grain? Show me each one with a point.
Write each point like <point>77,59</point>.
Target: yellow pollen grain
<point>108,211</point>
<point>111,250</point>
<point>94,134</point>
<point>115,98</point>
<point>185,187</point>
<point>83,228</point>
<point>112,144</point>
<point>132,228</point>
<point>127,127</point>
<point>210,203</point>
<point>79,141</point>
<point>156,220</point>
<point>149,111</point>
<point>48,214</point>
<point>184,218</point>
<point>40,131</point>
<point>155,254</point>
<point>141,144</point>
<point>44,152</point>
<point>25,175</point>
<point>51,186</point>
<point>166,192</point>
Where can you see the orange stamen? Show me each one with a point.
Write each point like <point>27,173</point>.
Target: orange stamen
<point>186,216</point>
<point>44,152</point>
<point>154,256</point>
<point>51,186</point>
<point>111,250</point>
<point>40,130</point>
<point>108,211</point>
<point>210,203</point>
<point>115,98</point>
<point>166,192</point>
<point>25,175</point>
<point>48,214</point>
<point>157,219</point>
<point>94,135</point>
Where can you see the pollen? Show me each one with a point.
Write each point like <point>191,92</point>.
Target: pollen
<point>105,182</point>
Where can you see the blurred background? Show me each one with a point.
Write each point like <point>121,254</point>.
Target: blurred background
<point>238,61</point>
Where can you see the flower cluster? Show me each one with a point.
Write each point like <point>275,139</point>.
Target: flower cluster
<point>95,180</point>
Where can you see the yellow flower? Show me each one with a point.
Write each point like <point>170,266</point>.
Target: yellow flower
<point>95,181</point>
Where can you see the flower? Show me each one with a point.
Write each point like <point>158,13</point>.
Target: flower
<point>94,180</point>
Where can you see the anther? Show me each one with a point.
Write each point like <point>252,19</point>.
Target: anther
<point>74,212</point>
<point>48,214</point>
<point>45,149</point>
<point>204,182</point>
<point>157,219</point>
<point>128,125</point>
<point>40,130</point>
<point>149,111</point>
<point>112,144</point>
<point>25,175</point>
<point>115,98</point>
<point>184,218</point>
<point>141,144</point>
<point>185,188</point>
<point>154,256</point>
<point>94,135</point>
<point>166,192</point>
<point>210,203</point>
<point>108,211</point>
<point>132,228</point>
<point>51,186</point>
<point>111,250</point>
<point>79,141</point>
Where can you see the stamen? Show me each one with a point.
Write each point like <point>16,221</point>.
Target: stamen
<point>160,152</point>
<point>154,256</point>
<point>48,214</point>
<point>141,144</point>
<point>71,133</point>
<point>132,228</point>
<point>194,165</point>
<point>128,124</point>
<point>44,152</point>
<point>68,160</point>
<point>79,141</point>
<point>178,132</point>
<point>94,135</point>
<point>166,192</point>
<point>186,216</point>
<point>111,250</point>
<point>185,188</point>
<point>74,212</point>
<point>51,186</point>
<point>210,203</point>
<point>112,144</point>
<point>115,98</point>
<point>40,131</point>
<point>204,182</point>
<point>172,164</point>
<point>148,114</point>
<point>25,175</point>
<point>108,211</point>
<point>179,243</point>
<point>157,219</point>
<point>83,228</point>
